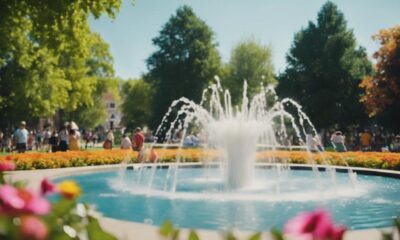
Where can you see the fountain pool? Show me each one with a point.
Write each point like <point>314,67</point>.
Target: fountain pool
<point>234,191</point>
<point>202,201</point>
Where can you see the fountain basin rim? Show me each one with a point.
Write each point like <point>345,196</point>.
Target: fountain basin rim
<point>292,166</point>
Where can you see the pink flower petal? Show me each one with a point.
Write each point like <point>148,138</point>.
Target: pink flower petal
<point>7,166</point>
<point>38,205</point>
<point>33,228</point>
<point>10,198</point>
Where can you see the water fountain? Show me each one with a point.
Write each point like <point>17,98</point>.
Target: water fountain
<point>235,191</point>
<point>237,132</point>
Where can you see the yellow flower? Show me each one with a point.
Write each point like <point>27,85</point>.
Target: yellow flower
<point>69,189</point>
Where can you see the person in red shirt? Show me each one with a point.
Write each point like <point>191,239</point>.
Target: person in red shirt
<point>138,143</point>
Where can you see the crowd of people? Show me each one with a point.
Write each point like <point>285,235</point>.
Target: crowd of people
<point>68,137</point>
<point>369,139</point>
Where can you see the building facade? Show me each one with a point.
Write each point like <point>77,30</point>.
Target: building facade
<point>114,115</point>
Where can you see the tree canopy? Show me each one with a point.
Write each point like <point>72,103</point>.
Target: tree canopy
<point>137,98</point>
<point>185,61</point>
<point>382,89</point>
<point>324,69</point>
<point>49,58</point>
<point>252,62</point>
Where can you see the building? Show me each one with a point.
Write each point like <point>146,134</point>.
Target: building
<point>114,114</point>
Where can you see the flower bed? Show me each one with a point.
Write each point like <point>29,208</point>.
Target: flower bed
<point>28,161</point>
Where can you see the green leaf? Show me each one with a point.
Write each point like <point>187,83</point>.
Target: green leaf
<point>96,232</point>
<point>387,236</point>
<point>20,184</point>
<point>256,236</point>
<point>276,234</point>
<point>175,234</point>
<point>193,235</point>
<point>230,236</point>
<point>63,207</point>
<point>166,229</point>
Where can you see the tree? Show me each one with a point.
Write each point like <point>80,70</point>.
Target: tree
<point>185,62</point>
<point>324,69</point>
<point>136,105</point>
<point>45,55</point>
<point>252,62</point>
<point>91,116</point>
<point>382,89</point>
<point>100,72</point>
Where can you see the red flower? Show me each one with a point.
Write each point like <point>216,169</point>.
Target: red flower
<point>47,187</point>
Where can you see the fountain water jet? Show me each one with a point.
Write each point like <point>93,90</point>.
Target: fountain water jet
<point>237,132</point>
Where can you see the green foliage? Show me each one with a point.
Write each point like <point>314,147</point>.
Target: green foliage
<point>251,62</point>
<point>49,58</point>
<point>91,116</point>
<point>136,107</point>
<point>256,236</point>
<point>193,235</point>
<point>324,70</point>
<point>276,234</point>
<point>96,232</point>
<point>186,60</point>
<point>168,231</point>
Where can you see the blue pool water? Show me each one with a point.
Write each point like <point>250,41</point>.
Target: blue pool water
<point>201,201</point>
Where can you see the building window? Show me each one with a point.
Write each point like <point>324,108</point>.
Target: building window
<point>112,105</point>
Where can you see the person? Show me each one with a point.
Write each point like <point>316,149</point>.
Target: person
<point>95,138</point>
<point>29,143</point>
<point>21,137</point>
<point>314,143</point>
<point>395,146</point>
<point>53,141</point>
<point>73,140</point>
<point>87,138</point>
<point>126,142</point>
<point>46,137</point>
<point>63,137</point>
<point>38,140</point>
<point>337,140</point>
<point>365,140</point>
<point>138,143</point>
<point>108,143</point>
<point>153,157</point>
<point>138,140</point>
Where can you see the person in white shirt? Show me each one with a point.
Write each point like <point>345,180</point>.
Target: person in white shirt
<point>21,137</point>
<point>126,142</point>
<point>337,140</point>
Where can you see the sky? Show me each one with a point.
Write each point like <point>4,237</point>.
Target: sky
<point>270,22</point>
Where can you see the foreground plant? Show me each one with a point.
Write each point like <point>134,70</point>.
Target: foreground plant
<point>29,215</point>
<point>315,225</point>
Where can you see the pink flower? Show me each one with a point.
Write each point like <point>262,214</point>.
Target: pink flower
<point>314,225</point>
<point>7,166</point>
<point>17,201</point>
<point>32,228</point>
<point>47,187</point>
<point>9,197</point>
